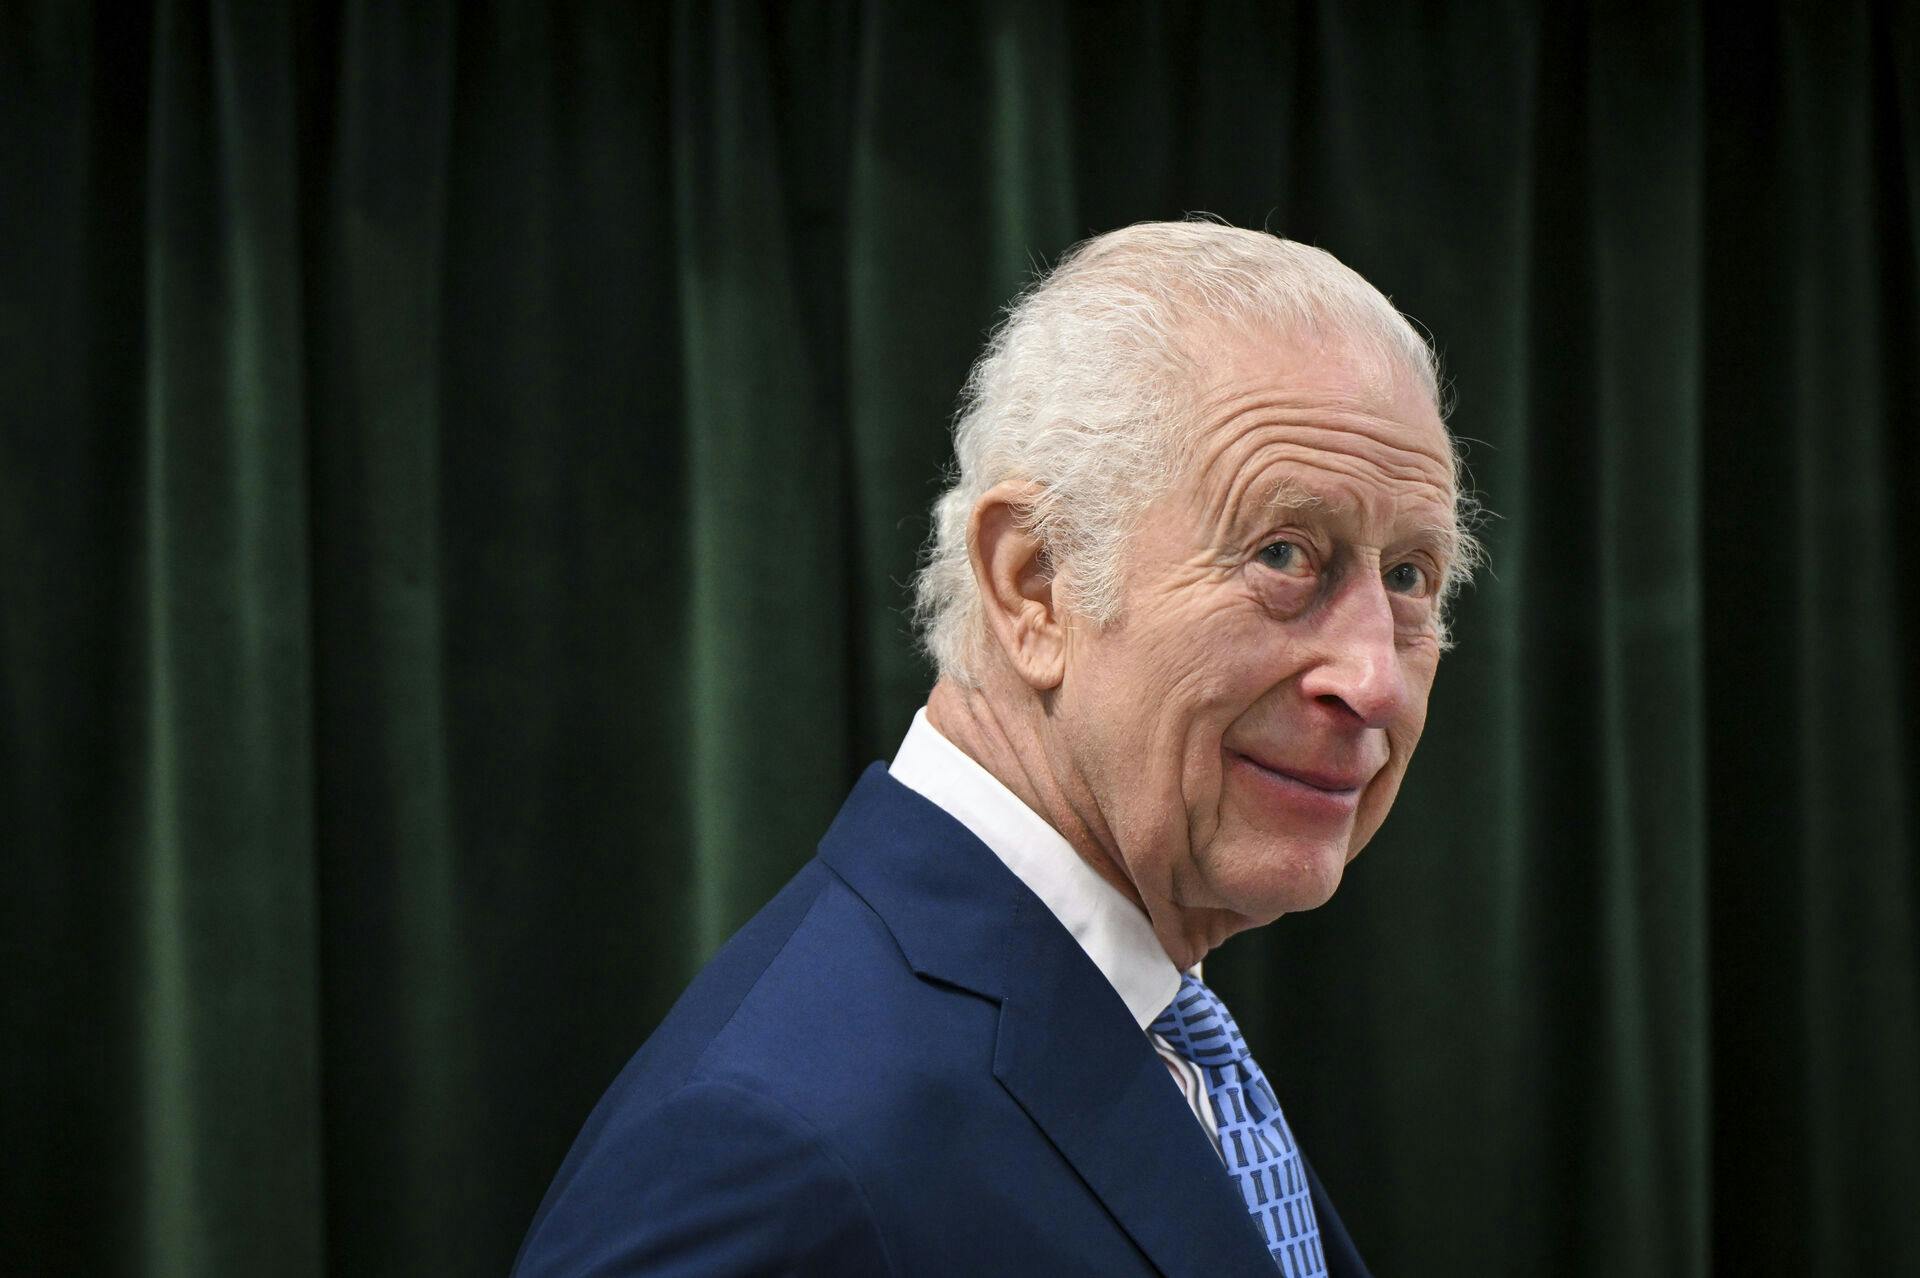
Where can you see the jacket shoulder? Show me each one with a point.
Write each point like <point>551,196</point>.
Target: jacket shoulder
<point>722,1180</point>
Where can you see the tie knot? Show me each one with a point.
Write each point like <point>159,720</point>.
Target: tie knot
<point>1198,1026</point>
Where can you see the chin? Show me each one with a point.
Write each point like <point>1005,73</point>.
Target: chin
<point>1272,878</point>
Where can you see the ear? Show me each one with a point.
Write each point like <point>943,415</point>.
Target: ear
<point>1015,577</point>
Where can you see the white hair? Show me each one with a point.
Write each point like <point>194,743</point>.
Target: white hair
<point>1085,390</point>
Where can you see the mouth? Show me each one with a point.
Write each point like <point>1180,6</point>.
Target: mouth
<point>1326,781</point>
<point>1299,798</point>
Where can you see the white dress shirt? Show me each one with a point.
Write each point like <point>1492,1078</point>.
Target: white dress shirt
<point>1111,929</point>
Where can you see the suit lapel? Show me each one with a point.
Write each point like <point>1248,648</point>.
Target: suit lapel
<point>1343,1258</point>
<point>1068,1051</point>
<point>1073,1058</point>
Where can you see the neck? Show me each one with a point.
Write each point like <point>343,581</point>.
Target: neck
<point>1008,735</point>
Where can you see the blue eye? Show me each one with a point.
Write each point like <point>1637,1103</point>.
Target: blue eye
<point>1283,556</point>
<point>1406,579</point>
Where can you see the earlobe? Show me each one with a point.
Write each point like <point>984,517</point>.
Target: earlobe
<point>1015,577</point>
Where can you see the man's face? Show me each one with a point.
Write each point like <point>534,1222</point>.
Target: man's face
<point>1243,725</point>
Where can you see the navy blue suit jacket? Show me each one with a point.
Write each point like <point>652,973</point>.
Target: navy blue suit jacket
<point>902,1065</point>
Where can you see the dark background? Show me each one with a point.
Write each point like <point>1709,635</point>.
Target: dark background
<point>459,465</point>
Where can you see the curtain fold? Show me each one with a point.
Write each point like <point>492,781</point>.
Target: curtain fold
<point>460,468</point>
<point>224,868</point>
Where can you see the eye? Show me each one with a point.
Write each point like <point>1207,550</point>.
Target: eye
<point>1284,557</point>
<point>1406,579</point>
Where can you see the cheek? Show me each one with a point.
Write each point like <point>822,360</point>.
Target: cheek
<point>1235,692</point>
<point>1403,736</point>
<point>1161,689</point>
<point>1124,710</point>
<point>1178,665</point>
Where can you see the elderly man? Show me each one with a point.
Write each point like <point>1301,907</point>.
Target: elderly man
<point>1186,596</point>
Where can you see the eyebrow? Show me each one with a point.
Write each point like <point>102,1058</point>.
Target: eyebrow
<point>1442,540</point>
<point>1289,496</point>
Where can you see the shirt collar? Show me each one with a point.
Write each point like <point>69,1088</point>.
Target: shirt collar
<point>1111,929</point>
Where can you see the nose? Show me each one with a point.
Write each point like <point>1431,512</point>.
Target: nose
<point>1357,672</point>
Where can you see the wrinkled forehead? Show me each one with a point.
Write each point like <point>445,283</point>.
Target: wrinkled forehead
<point>1332,380</point>
<point>1323,423</point>
<point>1221,357</point>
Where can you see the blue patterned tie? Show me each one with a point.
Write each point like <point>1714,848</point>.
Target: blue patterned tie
<point>1254,1139</point>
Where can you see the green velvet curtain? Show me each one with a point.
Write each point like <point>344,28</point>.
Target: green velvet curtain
<point>458,468</point>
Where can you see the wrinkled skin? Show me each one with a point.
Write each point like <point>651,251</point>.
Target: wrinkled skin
<point>1222,748</point>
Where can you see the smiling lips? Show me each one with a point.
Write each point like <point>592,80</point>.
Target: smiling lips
<point>1318,788</point>
<point>1319,778</point>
